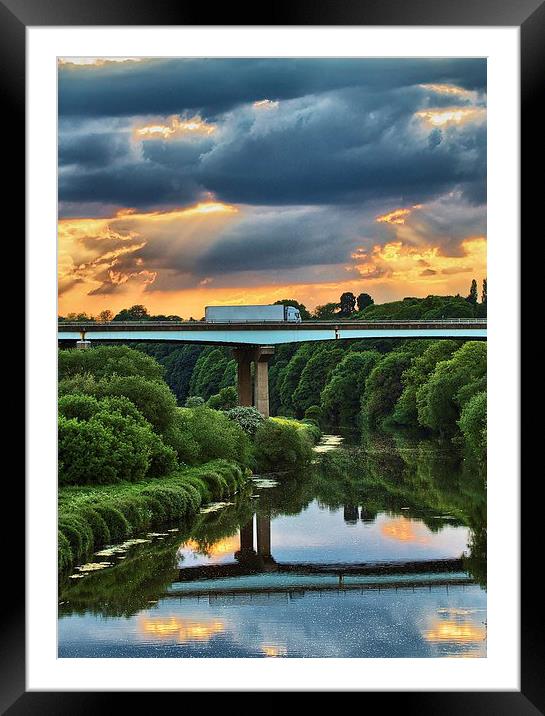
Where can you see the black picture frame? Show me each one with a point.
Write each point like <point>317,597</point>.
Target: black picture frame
<point>529,15</point>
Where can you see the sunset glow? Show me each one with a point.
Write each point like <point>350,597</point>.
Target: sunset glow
<point>175,127</point>
<point>179,189</point>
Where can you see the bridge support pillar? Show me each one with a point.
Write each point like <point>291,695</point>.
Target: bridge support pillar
<point>262,356</point>
<point>263,524</point>
<point>243,357</point>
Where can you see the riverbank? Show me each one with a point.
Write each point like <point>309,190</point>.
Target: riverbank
<point>96,515</point>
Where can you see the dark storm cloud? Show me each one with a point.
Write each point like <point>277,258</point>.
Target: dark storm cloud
<point>135,184</point>
<point>346,141</point>
<point>216,85</point>
<point>285,240</point>
<point>93,149</point>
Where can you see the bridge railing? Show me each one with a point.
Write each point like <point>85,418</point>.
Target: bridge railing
<point>170,324</point>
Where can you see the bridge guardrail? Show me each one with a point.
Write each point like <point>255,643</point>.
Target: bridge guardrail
<point>291,324</point>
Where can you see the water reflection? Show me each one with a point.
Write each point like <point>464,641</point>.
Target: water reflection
<point>183,631</point>
<point>373,553</point>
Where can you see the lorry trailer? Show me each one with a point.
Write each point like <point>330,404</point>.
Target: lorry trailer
<point>251,314</point>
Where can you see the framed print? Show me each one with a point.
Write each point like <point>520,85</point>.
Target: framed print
<point>271,268</point>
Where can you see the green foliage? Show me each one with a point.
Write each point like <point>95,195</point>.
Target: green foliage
<point>473,424</point>
<point>216,435</point>
<point>282,444</point>
<point>153,399</point>
<point>105,361</point>
<point>214,369</point>
<point>406,409</point>
<point>383,388</point>
<point>289,379</point>
<point>226,399</point>
<point>314,376</point>
<point>248,417</point>
<point>341,395</point>
<point>327,312</point>
<point>65,556</point>
<point>180,437</point>
<point>314,413</point>
<point>429,308</point>
<point>134,313</point>
<point>473,293</point>
<point>178,363</point>
<point>90,517</point>
<point>77,406</point>
<point>194,401</point>
<point>114,443</point>
<point>450,386</point>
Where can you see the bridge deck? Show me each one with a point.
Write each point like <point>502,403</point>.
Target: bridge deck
<point>268,332</point>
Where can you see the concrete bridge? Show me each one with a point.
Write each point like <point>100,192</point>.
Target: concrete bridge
<point>253,342</point>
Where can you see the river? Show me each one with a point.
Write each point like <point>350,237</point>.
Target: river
<point>376,550</point>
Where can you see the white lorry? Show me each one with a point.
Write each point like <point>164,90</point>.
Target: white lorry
<point>251,314</point>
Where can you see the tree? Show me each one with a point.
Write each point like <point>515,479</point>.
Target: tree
<point>314,377</point>
<point>364,300</point>
<point>105,316</point>
<point>134,313</point>
<point>347,303</point>
<point>79,317</point>
<point>451,385</point>
<point>383,388</point>
<point>327,312</point>
<point>303,310</point>
<point>483,295</point>
<point>473,293</point>
<point>406,410</point>
<point>340,398</point>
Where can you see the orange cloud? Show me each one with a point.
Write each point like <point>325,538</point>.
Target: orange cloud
<point>451,115</point>
<point>266,104</point>
<point>175,127</point>
<point>397,216</point>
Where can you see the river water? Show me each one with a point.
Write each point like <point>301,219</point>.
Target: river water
<point>374,551</point>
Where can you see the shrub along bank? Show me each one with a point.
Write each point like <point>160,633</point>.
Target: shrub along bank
<point>130,458</point>
<point>92,516</point>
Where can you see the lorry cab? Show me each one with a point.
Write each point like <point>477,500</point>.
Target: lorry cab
<point>292,314</point>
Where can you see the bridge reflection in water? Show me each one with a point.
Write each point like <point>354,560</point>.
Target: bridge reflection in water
<point>254,574</point>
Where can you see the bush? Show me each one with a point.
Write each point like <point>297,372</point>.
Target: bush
<point>281,444</point>
<point>162,459</point>
<point>226,399</point>
<point>107,361</point>
<point>65,556</point>
<point>249,418</point>
<point>179,436</point>
<point>194,401</point>
<point>77,406</point>
<point>153,399</point>
<point>217,436</point>
<point>84,452</point>
<point>116,521</point>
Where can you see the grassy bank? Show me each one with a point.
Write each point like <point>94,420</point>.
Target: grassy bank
<point>95,515</point>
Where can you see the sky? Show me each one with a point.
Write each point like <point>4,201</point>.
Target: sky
<point>192,182</point>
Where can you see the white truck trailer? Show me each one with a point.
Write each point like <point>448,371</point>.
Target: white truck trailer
<point>251,314</point>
